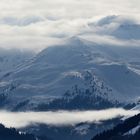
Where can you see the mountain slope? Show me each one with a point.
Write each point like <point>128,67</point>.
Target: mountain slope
<point>127,130</point>
<point>12,58</point>
<point>77,67</point>
<point>13,134</point>
<point>120,27</point>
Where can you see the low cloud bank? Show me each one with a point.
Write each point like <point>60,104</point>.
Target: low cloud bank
<point>37,32</point>
<point>60,118</point>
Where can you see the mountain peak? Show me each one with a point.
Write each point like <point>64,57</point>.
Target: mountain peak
<point>75,40</point>
<point>122,20</point>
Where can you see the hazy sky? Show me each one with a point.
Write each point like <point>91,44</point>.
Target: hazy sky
<point>38,23</point>
<point>68,8</point>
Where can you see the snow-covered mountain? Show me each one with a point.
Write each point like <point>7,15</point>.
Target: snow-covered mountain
<point>12,58</point>
<point>77,74</point>
<point>118,26</point>
<point>77,70</point>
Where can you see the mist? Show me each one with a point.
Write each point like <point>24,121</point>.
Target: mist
<point>61,118</point>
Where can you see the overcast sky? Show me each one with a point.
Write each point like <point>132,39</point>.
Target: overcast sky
<point>68,8</point>
<point>38,23</point>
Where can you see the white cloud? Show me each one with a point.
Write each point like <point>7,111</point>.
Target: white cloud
<point>61,118</point>
<point>110,40</point>
<point>39,34</point>
<point>39,23</point>
<point>69,8</point>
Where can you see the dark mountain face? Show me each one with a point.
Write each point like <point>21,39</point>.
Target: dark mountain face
<point>13,134</point>
<point>81,131</point>
<point>127,130</point>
